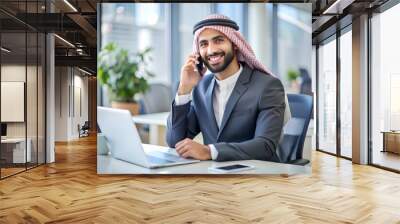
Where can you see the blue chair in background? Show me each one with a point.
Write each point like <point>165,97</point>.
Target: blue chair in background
<point>157,99</point>
<point>294,132</point>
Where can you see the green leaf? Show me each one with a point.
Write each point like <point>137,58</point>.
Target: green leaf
<point>120,72</point>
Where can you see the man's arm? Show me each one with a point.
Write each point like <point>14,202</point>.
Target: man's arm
<point>182,123</point>
<point>269,127</point>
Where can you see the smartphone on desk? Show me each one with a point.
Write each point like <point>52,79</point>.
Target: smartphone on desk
<point>230,168</point>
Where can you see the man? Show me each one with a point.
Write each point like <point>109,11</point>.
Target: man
<point>239,109</point>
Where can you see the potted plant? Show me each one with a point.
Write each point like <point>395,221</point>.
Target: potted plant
<point>292,76</point>
<point>125,77</point>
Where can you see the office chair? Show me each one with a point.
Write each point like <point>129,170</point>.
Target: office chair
<point>294,132</point>
<point>84,129</point>
<point>157,99</point>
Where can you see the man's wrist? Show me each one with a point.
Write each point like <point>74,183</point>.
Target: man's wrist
<point>182,99</point>
<point>213,151</point>
<point>184,90</point>
<point>208,149</point>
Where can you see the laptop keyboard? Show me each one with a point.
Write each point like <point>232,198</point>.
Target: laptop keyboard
<point>157,160</point>
<point>165,156</point>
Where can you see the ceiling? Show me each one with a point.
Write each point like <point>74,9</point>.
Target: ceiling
<point>331,15</point>
<point>74,21</point>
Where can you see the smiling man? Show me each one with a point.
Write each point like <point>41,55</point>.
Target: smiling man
<point>240,108</point>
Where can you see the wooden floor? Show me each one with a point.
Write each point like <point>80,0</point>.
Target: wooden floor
<point>70,191</point>
<point>10,171</point>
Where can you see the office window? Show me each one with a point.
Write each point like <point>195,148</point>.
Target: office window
<point>294,27</point>
<point>346,94</point>
<point>385,87</point>
<point>188,17</point>
<point>136,27</point>
<point>234,11</point>
<point>327,96</point>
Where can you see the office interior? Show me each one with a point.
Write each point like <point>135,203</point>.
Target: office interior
<point>47,81</point>
<point>354,144</point>
<point>357,84</point>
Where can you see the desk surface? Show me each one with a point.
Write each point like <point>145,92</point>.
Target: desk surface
<point>106,164</point>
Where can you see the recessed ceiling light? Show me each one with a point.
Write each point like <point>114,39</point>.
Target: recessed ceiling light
<point>337,7</point>
<point>64,40</point>
<point>84,71</point>
<point>70,5</point>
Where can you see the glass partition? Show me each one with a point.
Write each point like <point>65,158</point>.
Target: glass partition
<point>327,96</point>
<point>385,89</point>
<point>22,90</point>
<point>346,94</point>
<point>14,154</point>
<point>31,97</point>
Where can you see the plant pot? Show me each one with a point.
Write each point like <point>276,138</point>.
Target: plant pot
<point>132,107</point>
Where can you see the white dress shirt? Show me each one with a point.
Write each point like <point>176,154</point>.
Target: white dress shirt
<point>222,91</point>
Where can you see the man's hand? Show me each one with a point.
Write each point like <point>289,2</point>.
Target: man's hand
<point>189,148</point>
<point>189,75</point>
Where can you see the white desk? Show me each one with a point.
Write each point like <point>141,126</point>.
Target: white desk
<point>108,165</point>
<point>19,149</point>
<point>157,123</point>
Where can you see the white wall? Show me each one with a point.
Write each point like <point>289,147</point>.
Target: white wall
<point>71,94</point>
<point>33,126</point>
<point>61,103</point>
<point>12,73</point>
<point>80,109</point>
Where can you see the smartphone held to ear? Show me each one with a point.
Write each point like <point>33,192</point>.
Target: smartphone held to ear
<point>200,65</point>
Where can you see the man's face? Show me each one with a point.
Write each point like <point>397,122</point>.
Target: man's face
<point>216,50</point>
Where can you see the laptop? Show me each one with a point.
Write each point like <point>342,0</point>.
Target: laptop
<point>125,144</point>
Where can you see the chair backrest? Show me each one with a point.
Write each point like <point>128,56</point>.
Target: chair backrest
<point>294,132</point>
<point>86,125</point>
<point>157,99</point>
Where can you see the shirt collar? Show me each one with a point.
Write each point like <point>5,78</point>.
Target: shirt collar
<point>231,80</point>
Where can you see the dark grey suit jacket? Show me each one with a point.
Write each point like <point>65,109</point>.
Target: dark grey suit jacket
<point>252,122</point>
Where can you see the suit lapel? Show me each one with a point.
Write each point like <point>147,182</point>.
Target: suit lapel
<point>210,107</point>
<point>240,87</point>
